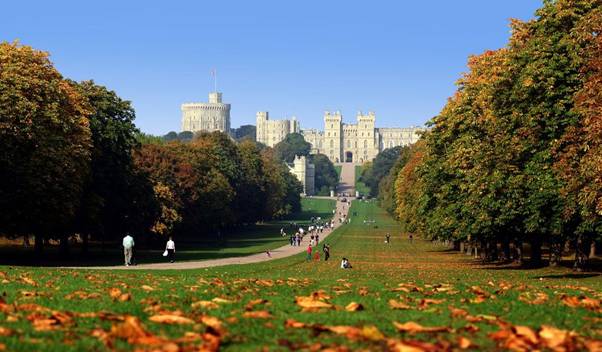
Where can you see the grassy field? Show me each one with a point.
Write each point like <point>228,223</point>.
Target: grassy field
<point>402,296</point>
<point>251,239</point>
<point>360,186</point>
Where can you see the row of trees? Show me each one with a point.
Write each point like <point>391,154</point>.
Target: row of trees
<point>516,154</point>
<point>73,164</point>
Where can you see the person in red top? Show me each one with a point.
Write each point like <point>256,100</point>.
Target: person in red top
<point>309,252</point>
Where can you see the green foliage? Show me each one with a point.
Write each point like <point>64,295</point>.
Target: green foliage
<point>292,145</point>
<point>488,173</point>
<point>244,132</point>
<point>46,142</point>
<point>326,176</point>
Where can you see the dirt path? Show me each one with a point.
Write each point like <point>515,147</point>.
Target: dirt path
<point>346,185</point>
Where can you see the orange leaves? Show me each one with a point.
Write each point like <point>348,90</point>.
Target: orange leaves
<point>533,298</point>
<point>353,307</point>
<point>523,338</point>
<point>251,304</point>
<point>412,328</point>
<point>204,305</point>
<point>55,321</point>
<point>314,302</point>
<point>116,295</point>
<point>368,332</point>
<point>170,319</point>
<point>582,301</point>
<point>261,314</point>
<point>397,305</point>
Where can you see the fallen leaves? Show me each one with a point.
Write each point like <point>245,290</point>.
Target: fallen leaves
<point>398,305</point>
<point>261,314</point>
<point>354,307</point>
<point>523,338</point>
<point>582,301</point>
<point>314,302</point>
<point>413,328</point>
<point>170,319</point>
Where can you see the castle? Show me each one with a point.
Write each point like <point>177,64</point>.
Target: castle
<point>270,132</point>
<point>304,171</point>
<point>341,142</point>
<point>209,117</point>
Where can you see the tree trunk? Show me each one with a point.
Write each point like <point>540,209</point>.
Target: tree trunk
<point>85,238</point>
<point>592,249</point>
<point>506,249</point>
<point>26,243</point>
<point>555,253</point>
<point>518,246</point>
<point>462,247</point>
<point>64,245</point>
<point>535,251</point>
<point>39,244</point>
<point>582,249</point>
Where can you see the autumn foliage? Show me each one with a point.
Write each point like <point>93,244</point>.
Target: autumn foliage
<point>73,164</point>
<point>515,156</point>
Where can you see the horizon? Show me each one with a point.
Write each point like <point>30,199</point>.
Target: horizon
<point>290,60</point>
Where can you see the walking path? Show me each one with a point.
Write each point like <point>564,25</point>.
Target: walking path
<point>346,185</point>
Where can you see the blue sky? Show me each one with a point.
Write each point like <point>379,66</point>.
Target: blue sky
<point>397,58</point>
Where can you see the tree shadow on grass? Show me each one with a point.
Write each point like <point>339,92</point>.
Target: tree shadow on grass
<point>568,276</point>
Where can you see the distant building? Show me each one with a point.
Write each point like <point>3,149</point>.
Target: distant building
<point>207,117</point>
<point>305,173</point>
<point>357,143</point>
<point>271,132</point>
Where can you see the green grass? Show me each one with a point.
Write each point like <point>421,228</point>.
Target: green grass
<point>251,239</point>
<point>360,186</point>
<point>378,269</point>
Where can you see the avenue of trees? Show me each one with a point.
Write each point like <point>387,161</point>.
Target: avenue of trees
<point>515,157</point>
<point>74,164</point>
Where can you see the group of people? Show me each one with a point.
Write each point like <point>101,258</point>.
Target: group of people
<point>311,252</point>
<point>128,250</point>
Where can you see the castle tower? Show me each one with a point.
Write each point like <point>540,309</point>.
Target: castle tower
<point>209,117</point>
<point>367,138</point>
<point>333,136</point>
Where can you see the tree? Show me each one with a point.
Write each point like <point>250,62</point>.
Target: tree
<point>326,177</point>
<point>292,145</point>
<point>108,199</point>
<point>45,145</point>
<point>382,164</point>
<point>245,132</point>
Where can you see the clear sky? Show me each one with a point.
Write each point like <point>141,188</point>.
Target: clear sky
<point>399,59</point>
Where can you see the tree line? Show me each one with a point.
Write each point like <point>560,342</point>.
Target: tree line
<point>515,156</point>
<point>74,164</point>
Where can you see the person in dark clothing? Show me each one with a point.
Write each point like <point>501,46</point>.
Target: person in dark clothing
<point>326,250</point>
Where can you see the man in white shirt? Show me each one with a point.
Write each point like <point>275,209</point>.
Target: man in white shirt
<point>171,249</point>
<point>128,245</point>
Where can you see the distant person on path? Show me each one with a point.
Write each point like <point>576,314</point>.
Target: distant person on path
<point>387,238</point>
<point>170,247</point>
<point>309,249</point>
<point>128,247</point>
<point>345,264</point>
<point>268,253</point>
<point>411,238</point>
<point>326,250</point>
<point>317,256</point>
<point>317,239</point>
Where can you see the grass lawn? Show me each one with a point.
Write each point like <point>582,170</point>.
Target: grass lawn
<point>250,307</point>
<point>248,240</point>
<point>360,186</point>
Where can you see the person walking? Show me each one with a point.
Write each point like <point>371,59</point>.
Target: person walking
<point>388,238</point>
<point>128,247</point>
<point>326,250</point>
<point>170,247</point>
<point>309,249</point>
